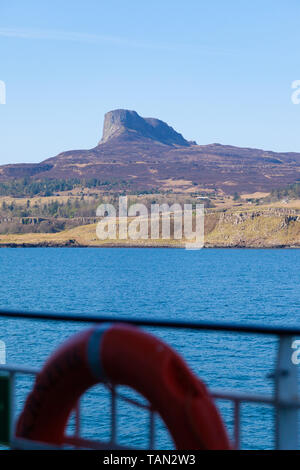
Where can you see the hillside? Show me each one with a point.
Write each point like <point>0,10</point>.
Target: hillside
<point>145,154</point>
<point>256,228</point>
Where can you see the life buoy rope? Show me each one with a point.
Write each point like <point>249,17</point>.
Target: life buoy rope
<point>125,355</point>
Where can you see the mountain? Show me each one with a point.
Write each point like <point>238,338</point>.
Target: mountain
<point>138,154</point>
<point>126,125</point>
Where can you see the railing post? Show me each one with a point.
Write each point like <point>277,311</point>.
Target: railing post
<point>151,428</point>
<point>286,390</point>
<point>77,419</point>
<point>237,423</point>
<point>113,415</point>
<point>12,405</point>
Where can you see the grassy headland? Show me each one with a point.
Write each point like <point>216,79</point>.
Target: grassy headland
<point>255,228</point>
<point>68,218</point>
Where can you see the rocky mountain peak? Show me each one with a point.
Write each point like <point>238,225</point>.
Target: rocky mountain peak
<point>124,122</point>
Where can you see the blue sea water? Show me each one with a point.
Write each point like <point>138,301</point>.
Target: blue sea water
<point>244,286</point>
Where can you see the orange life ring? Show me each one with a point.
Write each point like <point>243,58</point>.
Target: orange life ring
<point>122,354</point>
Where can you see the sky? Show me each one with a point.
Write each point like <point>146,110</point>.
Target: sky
<point>216,71</point>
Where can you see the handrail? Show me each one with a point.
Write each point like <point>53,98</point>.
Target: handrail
<point>284,398</point>
<point>232,395</point>
<point>162,323</point>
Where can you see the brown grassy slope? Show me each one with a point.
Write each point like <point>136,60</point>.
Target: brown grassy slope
<point>258,231</point>
<point>255,229</point>
<point>145,165</point>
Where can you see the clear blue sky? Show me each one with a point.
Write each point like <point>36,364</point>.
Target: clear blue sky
<point>217,71</point>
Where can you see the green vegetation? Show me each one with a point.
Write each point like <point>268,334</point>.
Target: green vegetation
<point>292,191</point>
<point>56,213</point>
<point>76,207</point>
<point>45,217</point>
<point>26,187</point>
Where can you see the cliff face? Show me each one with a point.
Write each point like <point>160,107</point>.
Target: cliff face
<point>124,123</point>
<point>254,229</point>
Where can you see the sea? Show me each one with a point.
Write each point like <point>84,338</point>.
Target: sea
<point>244,286</point>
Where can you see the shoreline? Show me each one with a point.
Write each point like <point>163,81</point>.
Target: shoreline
<point>112,245</point>
<point>254,229</point>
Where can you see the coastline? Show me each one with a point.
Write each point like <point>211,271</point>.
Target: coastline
<point>171,246</point>
<point>269,228</point>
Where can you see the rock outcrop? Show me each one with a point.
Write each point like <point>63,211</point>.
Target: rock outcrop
<point>265,228</point>
<point>129,124</point>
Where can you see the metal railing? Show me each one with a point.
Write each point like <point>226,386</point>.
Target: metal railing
<point>285,398</point>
